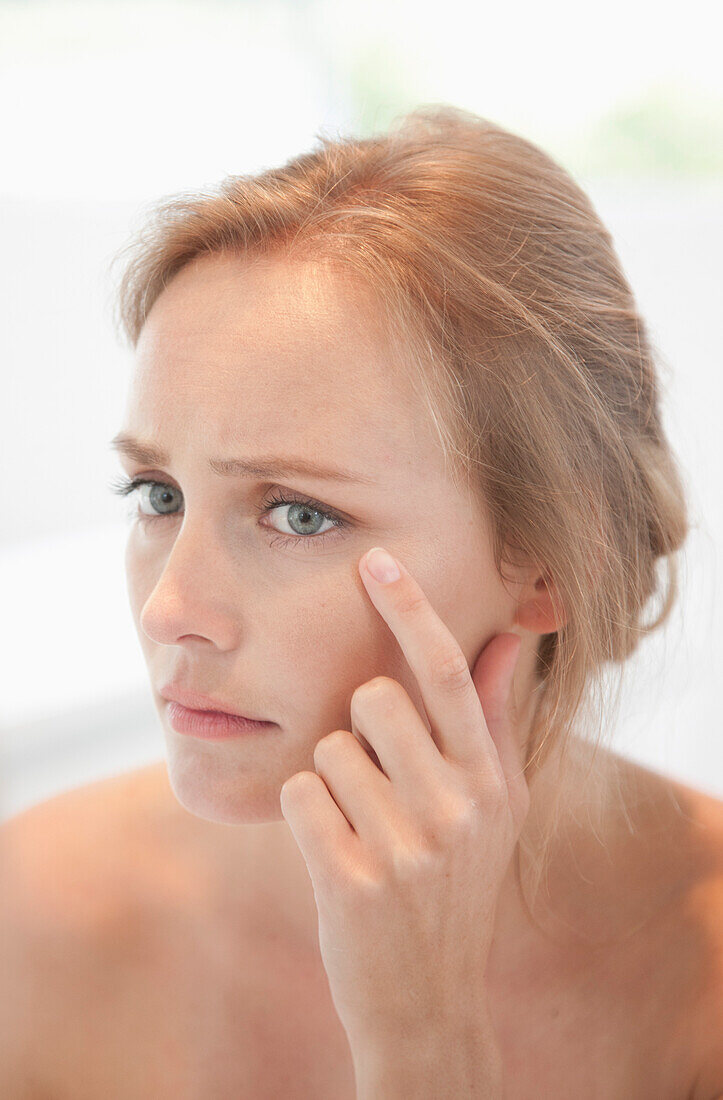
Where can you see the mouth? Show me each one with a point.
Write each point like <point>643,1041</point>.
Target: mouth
<point>197,701</point>
<point>213,725</point>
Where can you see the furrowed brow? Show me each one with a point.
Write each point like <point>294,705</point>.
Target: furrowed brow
<point>274,466</point>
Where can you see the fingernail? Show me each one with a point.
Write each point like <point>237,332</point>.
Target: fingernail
<point>382,566</point>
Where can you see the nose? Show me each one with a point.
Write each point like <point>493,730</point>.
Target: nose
<point>192,597</point>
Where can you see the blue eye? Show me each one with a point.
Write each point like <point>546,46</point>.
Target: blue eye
<point>305,512</point>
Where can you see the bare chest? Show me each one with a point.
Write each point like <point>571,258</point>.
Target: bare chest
<point>183,1014</point>
<point>186,1014</point>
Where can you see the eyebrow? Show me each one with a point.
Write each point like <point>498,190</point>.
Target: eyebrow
<point>266,466</point>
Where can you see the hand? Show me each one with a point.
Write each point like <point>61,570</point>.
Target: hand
<point>407,861</point>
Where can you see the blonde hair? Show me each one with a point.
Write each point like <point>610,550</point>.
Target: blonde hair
<point>523,337</point>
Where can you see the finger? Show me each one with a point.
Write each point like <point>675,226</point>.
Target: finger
<point>361,791</point>
<point>389,727</point>
<point>435,657</point>
<point>322,832</point>
<point>492,676</point>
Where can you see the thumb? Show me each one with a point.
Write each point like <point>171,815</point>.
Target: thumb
<point>492,676</point>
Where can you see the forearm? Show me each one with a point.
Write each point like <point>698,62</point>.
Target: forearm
<point>451,1064</point>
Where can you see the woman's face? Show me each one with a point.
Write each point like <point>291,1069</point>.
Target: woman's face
<point>262,606</point>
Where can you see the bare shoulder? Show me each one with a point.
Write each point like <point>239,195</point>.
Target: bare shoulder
<point>703,918</point>
<point>699,917</point>
<point>71,896</point>
<point>63,859</point>
<point>86,861</point>
<point>652,902</point>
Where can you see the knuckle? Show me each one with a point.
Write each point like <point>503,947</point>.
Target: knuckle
<point>298,783</point>
<point>330,744</point>
<point>379,690</point>
<point>459,817</point>
<point>411,602</point>
<point>495,794</point>
<point>412,862</point>
<point>449,670</point>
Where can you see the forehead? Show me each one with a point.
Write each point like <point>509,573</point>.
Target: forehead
<point>266,351</point>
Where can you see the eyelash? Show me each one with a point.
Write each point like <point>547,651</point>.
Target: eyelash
<point>124,486</point>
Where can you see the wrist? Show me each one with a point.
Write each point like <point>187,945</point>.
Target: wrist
<point>460,1060</point>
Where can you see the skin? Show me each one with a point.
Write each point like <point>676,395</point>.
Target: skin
<point>239,359</point>
<point>246,358</point>
<point>406,865</point>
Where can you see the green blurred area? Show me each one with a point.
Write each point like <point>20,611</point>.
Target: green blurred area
<point>372,74</point>
<point>668,131</point>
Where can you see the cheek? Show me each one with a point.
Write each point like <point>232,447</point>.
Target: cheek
<point>322,639</point>
<point>468,593</point>
<point>141,576</point>
<point>330,647</point>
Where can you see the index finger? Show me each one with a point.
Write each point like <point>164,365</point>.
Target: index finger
<point>438,662</point>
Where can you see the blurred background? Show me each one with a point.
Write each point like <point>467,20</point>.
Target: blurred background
<point>112,104</point>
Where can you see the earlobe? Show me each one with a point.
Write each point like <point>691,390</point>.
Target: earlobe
<point>540,611</point>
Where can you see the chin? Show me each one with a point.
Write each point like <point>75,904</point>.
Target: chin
<point>211,788</point>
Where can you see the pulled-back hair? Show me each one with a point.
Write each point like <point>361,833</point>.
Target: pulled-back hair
<point>523,338</point>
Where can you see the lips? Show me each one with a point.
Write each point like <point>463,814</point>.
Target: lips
<point>195,700</point>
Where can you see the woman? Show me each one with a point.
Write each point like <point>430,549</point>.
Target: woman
<point>424,343</point>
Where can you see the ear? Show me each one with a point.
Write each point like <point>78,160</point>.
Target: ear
<point>539,607</point>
